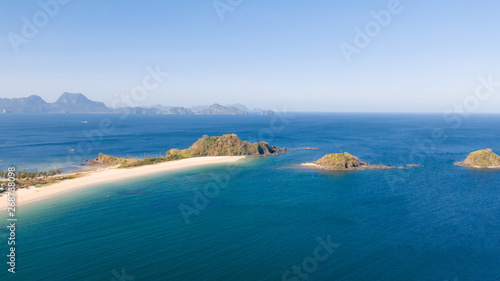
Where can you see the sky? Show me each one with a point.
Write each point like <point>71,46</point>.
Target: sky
<point>402,56</point>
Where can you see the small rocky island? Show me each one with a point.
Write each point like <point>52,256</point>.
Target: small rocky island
<point>343,162</point>
<point>226,145</point>
<point>481,159</point>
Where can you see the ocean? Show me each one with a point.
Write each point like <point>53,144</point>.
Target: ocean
<point>260,218</point>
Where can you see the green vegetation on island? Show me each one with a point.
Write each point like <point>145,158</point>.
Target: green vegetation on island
<point>481,159</point>
<point>226,145</point>
<point>339,161</point>
<point>108,159</point>
<point>24,178</point>
<point>31,175</point>
<point>344,162</point>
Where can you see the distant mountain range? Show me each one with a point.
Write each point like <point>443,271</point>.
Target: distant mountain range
<point>78,103</point>
<point>67,103</point>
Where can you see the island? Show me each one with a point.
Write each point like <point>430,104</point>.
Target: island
<point>225,145</point>
<point>481,159</point>
<point>79,103</point>
<point>33,186</point>
<point>217,109</point>
<point>178,110</point>
<point>344,162</point>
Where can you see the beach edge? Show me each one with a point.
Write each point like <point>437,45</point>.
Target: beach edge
<point>113,174</point>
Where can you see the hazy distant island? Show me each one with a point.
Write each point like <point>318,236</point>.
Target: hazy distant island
<point>481,159</point>
<point>267,112</point>
<point>67,103</point>
<point>177,110</point>
<point>79,103</point>
<point>217,109</point>
<point>344,162</point>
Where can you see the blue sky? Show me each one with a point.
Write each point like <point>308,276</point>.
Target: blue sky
<point>266,54</point>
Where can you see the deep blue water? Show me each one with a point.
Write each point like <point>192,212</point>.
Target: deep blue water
<point>435,222</point>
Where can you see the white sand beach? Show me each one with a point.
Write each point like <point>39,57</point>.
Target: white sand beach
<point>25,196</point>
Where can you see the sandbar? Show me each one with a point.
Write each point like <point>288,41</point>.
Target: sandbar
<point>111,174</point>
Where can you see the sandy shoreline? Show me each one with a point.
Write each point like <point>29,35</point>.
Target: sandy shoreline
<point>25,196</point>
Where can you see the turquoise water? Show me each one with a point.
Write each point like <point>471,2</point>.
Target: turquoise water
<point>268,215</point>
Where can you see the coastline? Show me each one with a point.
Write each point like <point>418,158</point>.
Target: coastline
<point>462,164</point>
<point>363,167</point>
<point>111,174</point>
